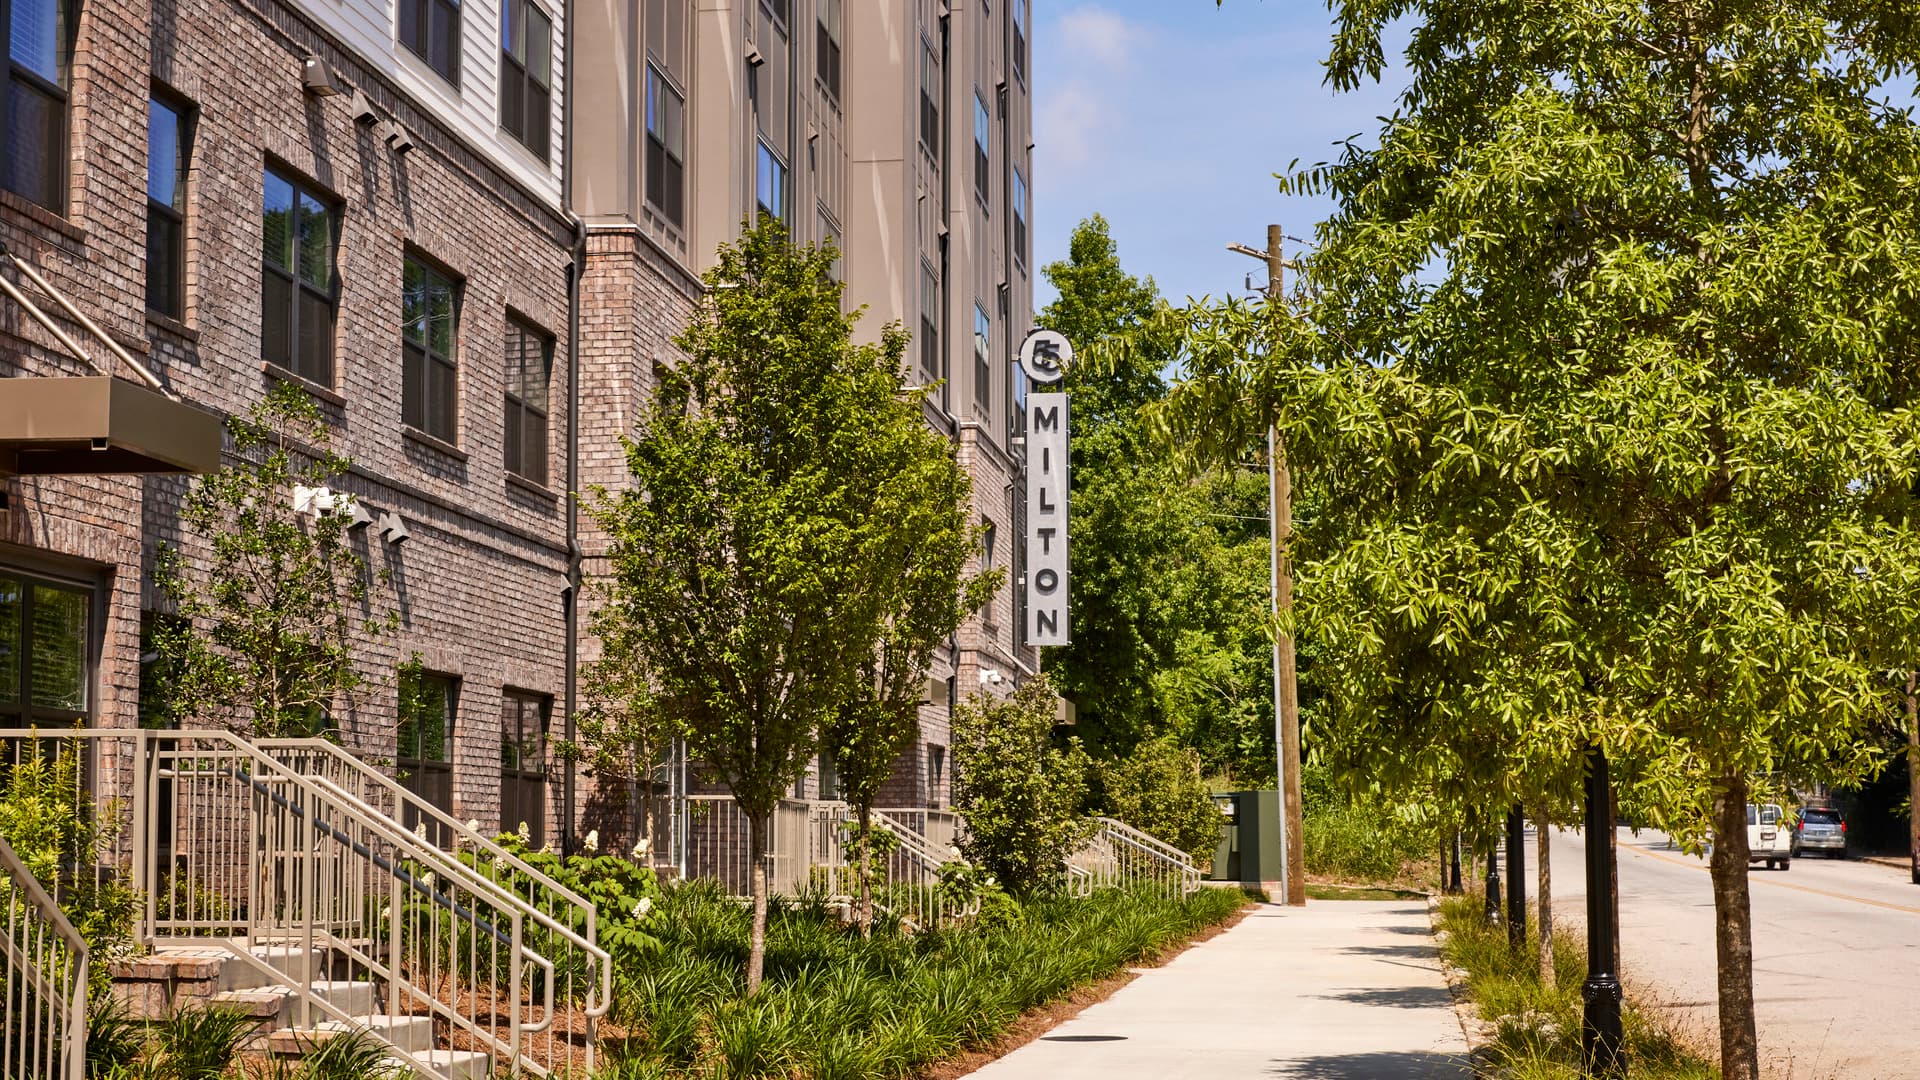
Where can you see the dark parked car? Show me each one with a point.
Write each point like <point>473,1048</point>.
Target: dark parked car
<point>1822,829</point>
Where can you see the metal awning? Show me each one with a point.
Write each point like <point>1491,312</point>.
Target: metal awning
<point>99,424</point>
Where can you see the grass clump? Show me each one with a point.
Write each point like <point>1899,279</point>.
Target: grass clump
<point>1536,1028</point>
<point>836,1006</point>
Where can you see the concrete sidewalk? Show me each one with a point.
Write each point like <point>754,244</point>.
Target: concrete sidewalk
<point>1339,990</point>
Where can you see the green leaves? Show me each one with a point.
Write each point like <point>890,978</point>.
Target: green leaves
<point>1021,795</point>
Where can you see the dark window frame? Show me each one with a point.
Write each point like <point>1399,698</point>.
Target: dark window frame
<point>982,152</point>
<point>22,711</point>
<point>929,323</point>
<point>57,175</point>
<point>320,370</point>
<point>170,218</point>
<point>930,102</point>
<point>532,462</point>
<point>982,358</point>
<point>422,41</point>
<point>1019,64</point>
<point>516,777</point>
<point>827,47</point>
<point>521,90</point>
<point>430,778</point>
<point>781,172</point>
<point>666,165</point>
<point>423,416</point>
<point>1019,200</point>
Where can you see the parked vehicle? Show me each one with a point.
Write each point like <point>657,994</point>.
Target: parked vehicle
<point>1821,829</point>
<point>1769,836</point>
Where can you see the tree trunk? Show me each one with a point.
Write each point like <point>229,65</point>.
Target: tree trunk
<point>1545,911</point>
<point>1913,773</point>
<point>1733,939</point>
<point>865,872</point>
<point>757,829</point>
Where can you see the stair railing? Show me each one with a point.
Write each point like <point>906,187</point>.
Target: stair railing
<point>43,1017</point>
<point>1119,856</point>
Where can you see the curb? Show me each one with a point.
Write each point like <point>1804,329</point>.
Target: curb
<point>1476,1031</point>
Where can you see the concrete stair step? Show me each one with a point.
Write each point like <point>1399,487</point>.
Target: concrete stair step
<point>453,1065</point>
<point>413,1034</point>
<point>262,1003</point>
<point>353,998</point>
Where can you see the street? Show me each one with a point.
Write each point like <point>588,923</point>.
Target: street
<point>1836,953</point>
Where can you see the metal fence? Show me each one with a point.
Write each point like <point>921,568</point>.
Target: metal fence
<point>1119,856</point>
<point>43,1015</point>
<point>296,860</point>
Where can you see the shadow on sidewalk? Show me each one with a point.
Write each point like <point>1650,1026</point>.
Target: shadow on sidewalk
<point>1399,997</point>
<point>1408,1065</point>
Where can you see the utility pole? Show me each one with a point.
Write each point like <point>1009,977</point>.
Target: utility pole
<point>1286,687</point>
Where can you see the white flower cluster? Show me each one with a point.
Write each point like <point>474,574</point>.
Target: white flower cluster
<point>592,842</point>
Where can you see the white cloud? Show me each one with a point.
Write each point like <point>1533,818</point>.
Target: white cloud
<point>1066,126</point>
<point>1098,36</point>
<point>1075,118</point>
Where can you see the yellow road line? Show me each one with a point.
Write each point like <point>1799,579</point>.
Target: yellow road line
<point>1695,865</point>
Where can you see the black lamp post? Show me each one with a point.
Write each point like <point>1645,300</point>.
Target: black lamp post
<point>1516,880</point>
<point>1601,1034</point>
<point>1493,882</point>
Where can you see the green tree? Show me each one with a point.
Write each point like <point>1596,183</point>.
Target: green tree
<point>623,734</point>
<point>757,550</point>
<point>1159,789</point>
<point>1020,794</point>
<point>262,632</point>
<point>1606,361</point>
<point>1169,570</point>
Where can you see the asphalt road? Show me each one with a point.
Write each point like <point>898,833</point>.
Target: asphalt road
<point>1836,954</point>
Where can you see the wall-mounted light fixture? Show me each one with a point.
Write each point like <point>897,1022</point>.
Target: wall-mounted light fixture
<point>317,79</point>
<point>397,137</point>
<point>362,109</point>
<point>394,529</point>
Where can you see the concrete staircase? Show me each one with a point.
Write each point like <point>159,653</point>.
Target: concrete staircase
<point>263,983</point>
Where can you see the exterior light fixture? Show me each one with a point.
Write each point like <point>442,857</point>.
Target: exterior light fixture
<point>362,109</point>
<point>394,529</point>
<point>317,79</point>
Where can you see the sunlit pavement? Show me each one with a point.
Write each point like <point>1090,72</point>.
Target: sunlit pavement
<point>1339,990</point>
<point>1836,953</point>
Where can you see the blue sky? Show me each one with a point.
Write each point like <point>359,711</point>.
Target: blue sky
<point>1171,117</point>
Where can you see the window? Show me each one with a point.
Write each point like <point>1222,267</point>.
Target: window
<point>830,234</point>
<point>982,367</point>
<point>46,651</point>
<point>1020,39</point>
<point>666,152</point>
<point>829,47</point>
<point>929,101</point>
<point>772,185</point>
<point>1019,218</point>
<point>989,545</point>
<point>929,324</point>
<point>781,10</point>
<point>299,290</point>
<point>526,75</point>
<point>169,143</point>
<point>982,161</point>
<point>529,367</point>
<point>40,48</point>
<point>424,754</point>
<point>429,389</point>
<point>936,776</point>
<point>523,763</point>
<point>431,29</point>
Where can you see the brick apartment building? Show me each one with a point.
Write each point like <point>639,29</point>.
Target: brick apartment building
<point>376,201</point>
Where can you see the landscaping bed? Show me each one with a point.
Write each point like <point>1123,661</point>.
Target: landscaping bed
<point>836,1005</point>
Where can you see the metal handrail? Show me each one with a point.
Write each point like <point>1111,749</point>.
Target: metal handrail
<point>61,1051</point>
<point>587,943</point>
<point>1143,838</point>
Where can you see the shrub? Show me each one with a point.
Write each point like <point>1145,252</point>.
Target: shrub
<point>1353,838</point>
<point>1021,795</point>
<point>1159,790</point>
<point>622,890</point>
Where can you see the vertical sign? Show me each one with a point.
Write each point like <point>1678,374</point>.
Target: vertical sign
<point>1044,356</point>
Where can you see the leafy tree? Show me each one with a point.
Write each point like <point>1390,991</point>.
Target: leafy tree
<point>1169,570</point>
<point>1159,789</point>
<point>1606,359</point>
<point>756,554</point>
<point>623,735</point>
<point>1021,794</point>
<point>262,635</point>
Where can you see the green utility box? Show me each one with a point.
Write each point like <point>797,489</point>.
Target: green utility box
<point>1249,848</point>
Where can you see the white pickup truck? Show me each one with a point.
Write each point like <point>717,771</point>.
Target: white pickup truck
<point>1769,836</point>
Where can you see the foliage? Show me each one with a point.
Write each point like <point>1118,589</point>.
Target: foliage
<point>1359,838</point>
<point>197,1044</point>
<point>836,1005</point>
<point>1159,790</point>
<point>622,734</point>
<point>67,843</point>
<point>1169,570</point>
<point>756,552</point>
<point>1020,795</point>
<point>261,638</point>
<point>1536,1028</point>
<point>623,891</point>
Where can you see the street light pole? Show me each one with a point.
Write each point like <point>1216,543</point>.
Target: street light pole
<point>1601,1033</point>
<point>1516,879</point>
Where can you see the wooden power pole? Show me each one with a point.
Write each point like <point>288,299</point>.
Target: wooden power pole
<point>1286,688</point>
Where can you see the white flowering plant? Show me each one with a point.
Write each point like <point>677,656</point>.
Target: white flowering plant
<point>623,892</point>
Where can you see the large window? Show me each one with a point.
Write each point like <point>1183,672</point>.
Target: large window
<point>300,230</point>
<point>46,651</point>
<point>929,101</point>
<point>929,324</point>
<point>529,368</point>
<point>982,365</point>
<point>526,75</point>
<point>1020,39</point>
<point>40,49</point>
<point>169,143</point>
<point>431,29</point>
<point>523,763</point>
<point>771,186</point>
<point>830,234</point>
<point>429,383</point>
<point>982,158</point>
<point>424,754</point>
<point>1019,218</point>
<point>829,47</point>
<point>666,147</point>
